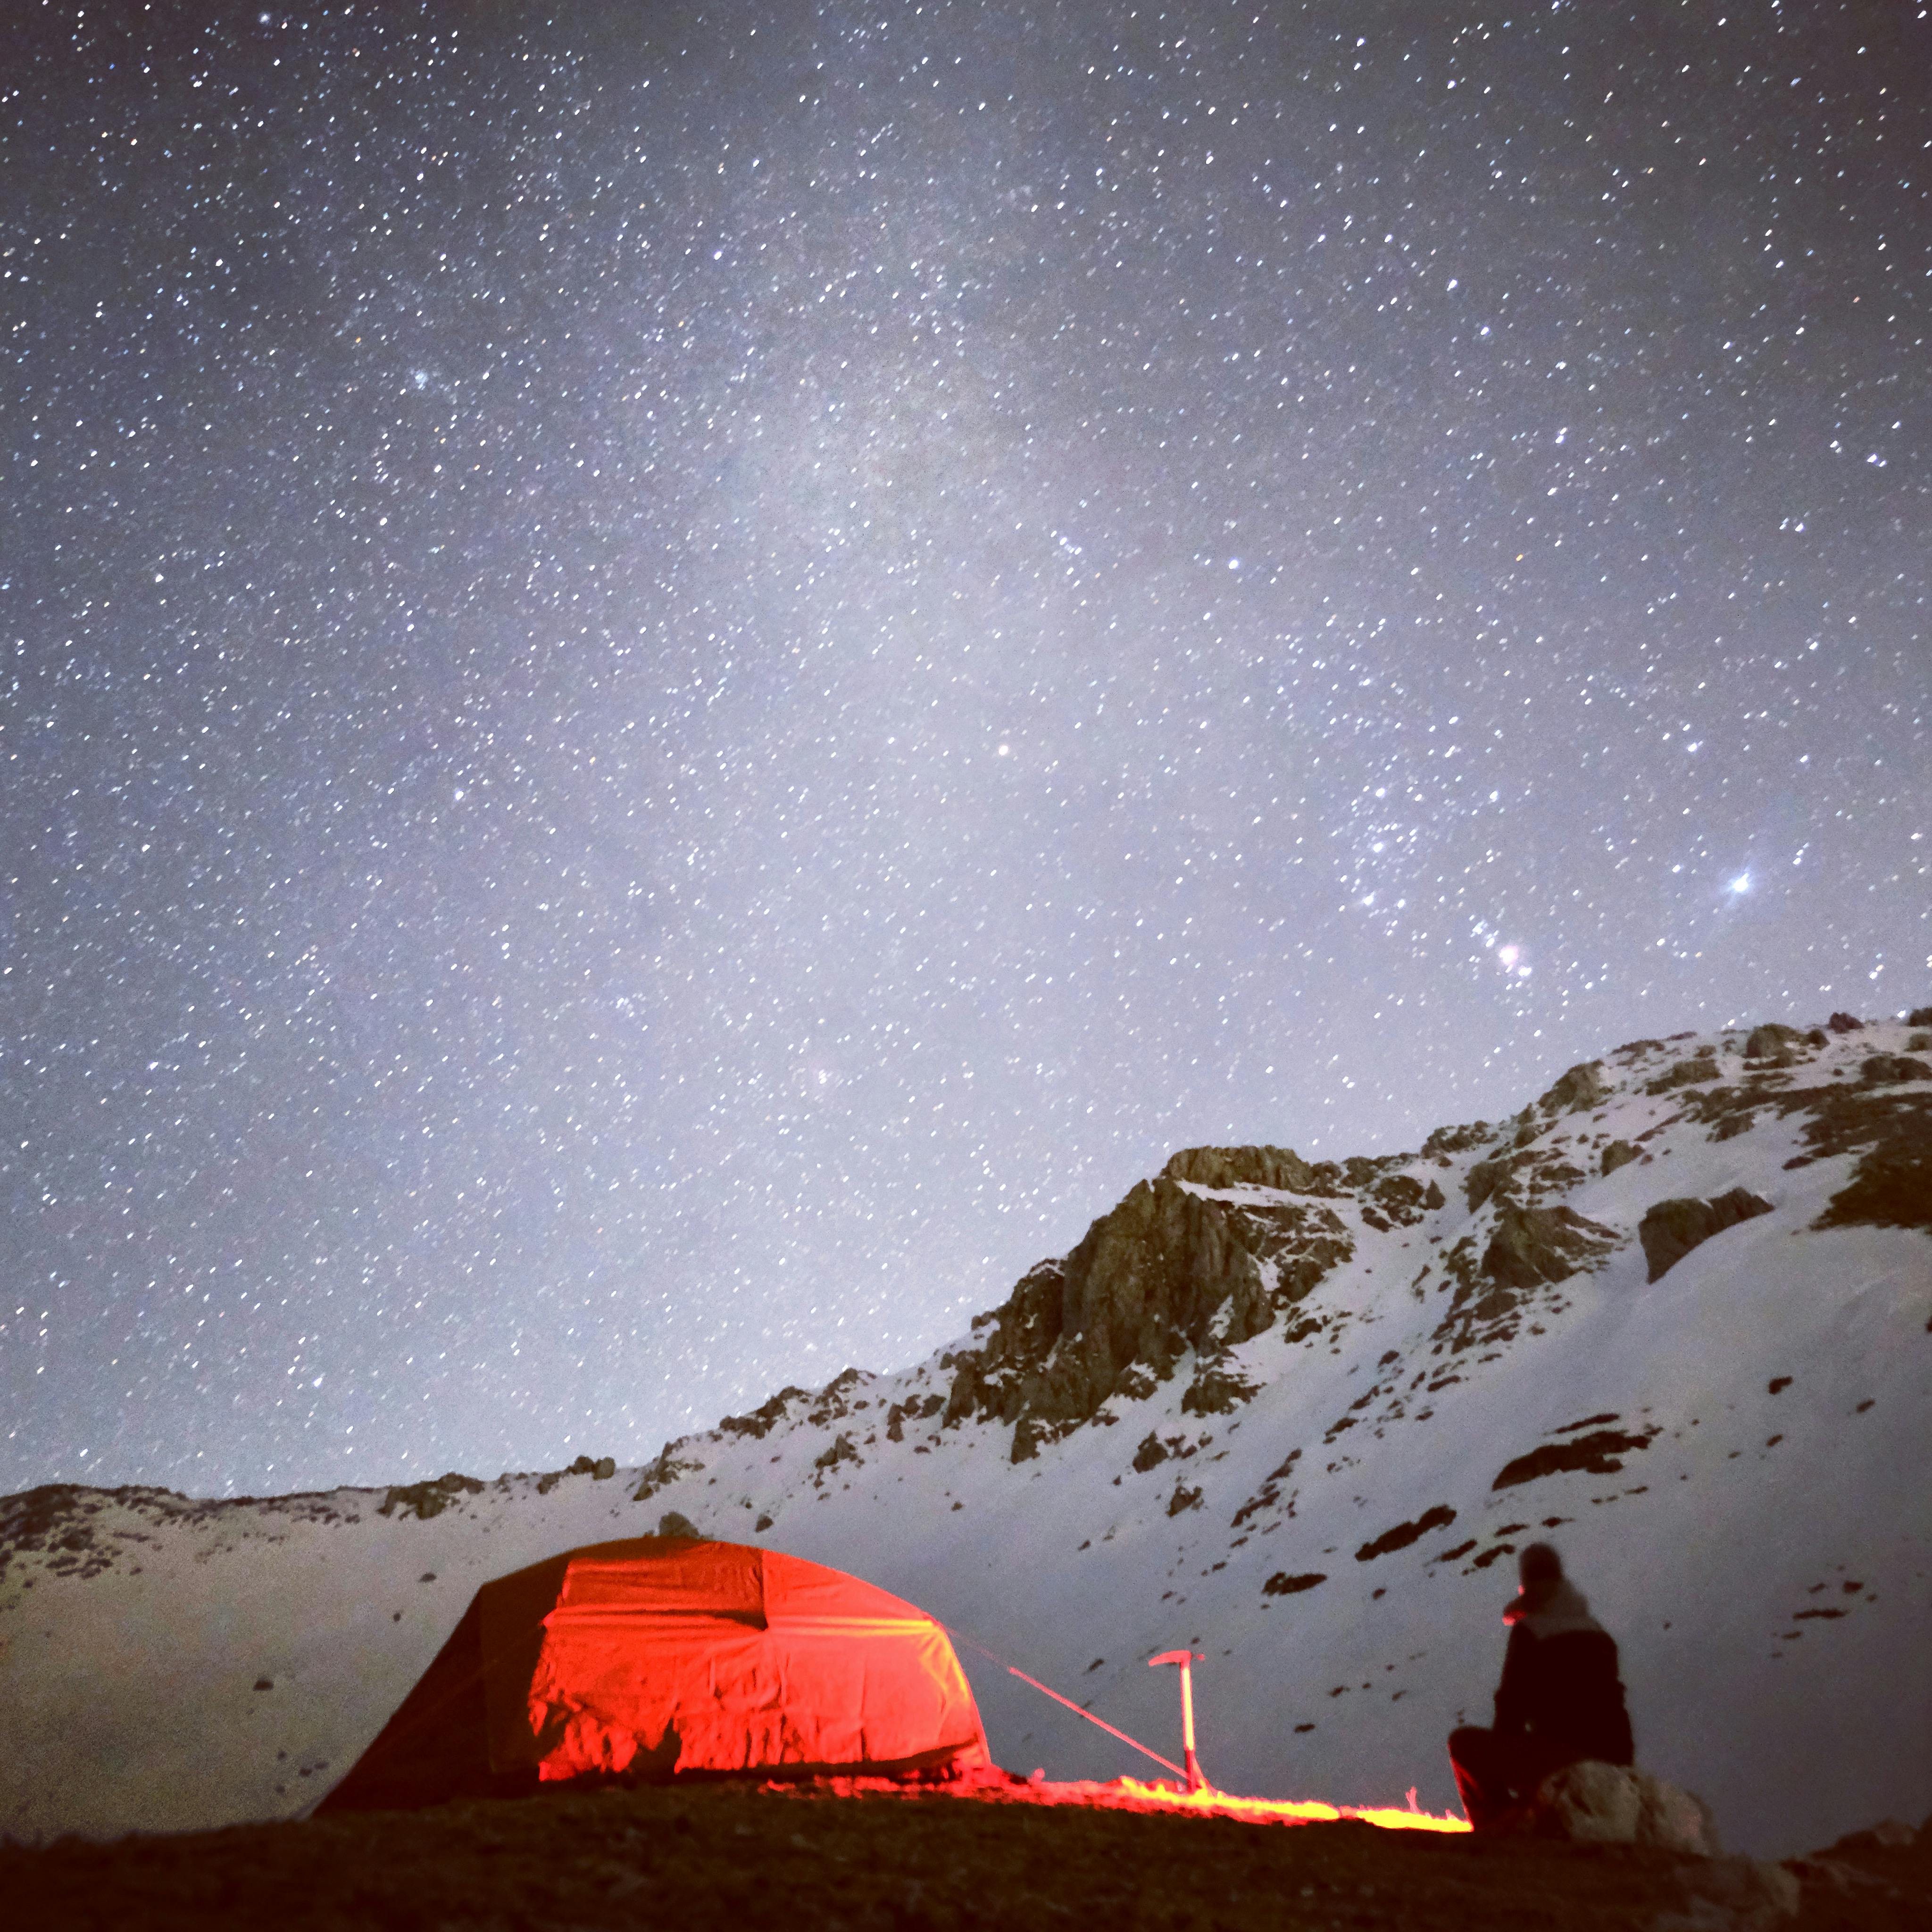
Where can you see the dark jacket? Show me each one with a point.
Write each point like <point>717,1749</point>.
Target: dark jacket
<point>1560,1684</point>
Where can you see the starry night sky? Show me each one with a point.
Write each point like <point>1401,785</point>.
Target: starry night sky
<point>676,682</point>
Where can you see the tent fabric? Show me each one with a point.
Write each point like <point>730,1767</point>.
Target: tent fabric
<point>664,1656</point>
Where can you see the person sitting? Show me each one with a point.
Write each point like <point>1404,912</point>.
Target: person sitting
<point>1559,1702</point>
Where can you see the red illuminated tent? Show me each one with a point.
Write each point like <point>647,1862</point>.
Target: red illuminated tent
<point>664,1655</point>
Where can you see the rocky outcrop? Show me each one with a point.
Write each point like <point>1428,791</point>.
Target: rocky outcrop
<point>1583,1087</point>
<point>1892,1185</point>
<point>1530,1250</point>
<point>663,1470</point>
<point>1698,1067</point>
<point>1399,1200</point>
<point>1215,1389</point>
<point>1487,1178</point>
<point>841,1449</point>
<point>1280,1169</point>
<point>430,1498</point>
<point>1204,1257</point>
<point>1531,1245</point>
<point>1770,1041</point>
<point>1166,1272</point>
<point>1888,1125</point>
<point>1884,1069</point>
<point>1404,1533</point>
<point>1600,1451</point>
<point>1281,1584</point>
<point>764,1419</point>
<point>1671,1229</point>
<point>599,1469</point>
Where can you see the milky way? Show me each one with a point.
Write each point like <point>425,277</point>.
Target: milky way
<point>679,681</point>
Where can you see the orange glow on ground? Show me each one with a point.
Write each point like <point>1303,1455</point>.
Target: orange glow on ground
<point>1290,1811</point>
<point>1133,1794</point>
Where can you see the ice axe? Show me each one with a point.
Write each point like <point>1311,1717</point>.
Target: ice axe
<point>1187,1659</point>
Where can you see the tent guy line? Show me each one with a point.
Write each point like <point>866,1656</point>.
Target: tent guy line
<point>1015,1671</point>
<point>972,1642</point>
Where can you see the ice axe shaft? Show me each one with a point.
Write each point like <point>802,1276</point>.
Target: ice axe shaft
<point>1196,1780</point>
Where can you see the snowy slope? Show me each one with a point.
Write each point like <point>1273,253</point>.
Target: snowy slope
<point>1257,1385</point>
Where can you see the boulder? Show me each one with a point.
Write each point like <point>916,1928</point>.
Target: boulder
<point>1671,1229</point>
<point>1845,1023</point>
<point>1596,1804</point>
<point>1620,1154</point>
<point>1768,1041</point>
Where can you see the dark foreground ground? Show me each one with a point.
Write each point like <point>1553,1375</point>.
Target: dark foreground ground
<point>719,1856</point>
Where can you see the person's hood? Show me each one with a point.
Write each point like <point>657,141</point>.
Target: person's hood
<point>1551,1606</point>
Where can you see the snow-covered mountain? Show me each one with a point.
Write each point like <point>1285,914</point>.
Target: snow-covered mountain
<point>1675,1316</point>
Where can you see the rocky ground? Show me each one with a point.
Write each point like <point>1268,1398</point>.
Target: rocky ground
<point>720,1856</point>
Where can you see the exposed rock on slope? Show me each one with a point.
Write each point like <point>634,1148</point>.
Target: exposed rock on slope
<point>1174,1269</point>
<point>1770,1040</point>
<point>1671,1229</point>
<point>1280,1169</point>
<point>1891,1186</point>
<point>1543,1244</point>
<point>1582,1088</point>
